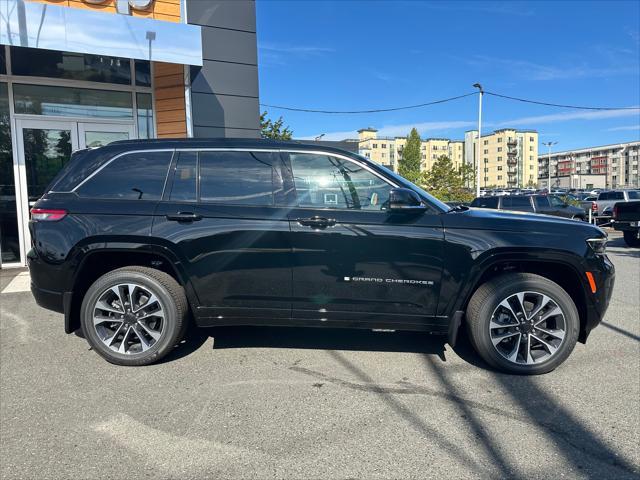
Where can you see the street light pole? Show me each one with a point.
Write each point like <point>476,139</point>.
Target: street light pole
<point>481,92</point>
<point>549,145</point>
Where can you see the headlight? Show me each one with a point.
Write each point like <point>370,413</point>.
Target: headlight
<point>598,245</point>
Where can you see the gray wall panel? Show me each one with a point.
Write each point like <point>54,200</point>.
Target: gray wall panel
<point>224,91</point>
<point>224,111</point>
<point>212,132</point>
<point>225,78</point>
<point>238,14</point>
<point>229,46</point>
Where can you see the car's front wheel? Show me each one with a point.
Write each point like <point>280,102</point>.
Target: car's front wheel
<point>134,315</point>
<point>522,323</point>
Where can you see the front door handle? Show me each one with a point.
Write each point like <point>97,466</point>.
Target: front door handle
<point>317,222</point>
<point>183,217</point>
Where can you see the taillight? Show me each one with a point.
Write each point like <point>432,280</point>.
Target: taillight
<point>594,207</point>
<point>47,215</point>
<point>615,212</point>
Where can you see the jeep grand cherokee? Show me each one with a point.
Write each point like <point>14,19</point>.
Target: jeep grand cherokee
<point>135,239</point>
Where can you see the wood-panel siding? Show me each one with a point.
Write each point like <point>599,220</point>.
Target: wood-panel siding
<point>171,118</point>
<point>168,78</point>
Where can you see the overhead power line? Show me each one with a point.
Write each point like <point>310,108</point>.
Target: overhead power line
<point>377,110</point>
<point>444,100</point>
<point>559,105</point>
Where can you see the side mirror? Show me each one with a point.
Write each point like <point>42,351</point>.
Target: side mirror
<point>405,201</point>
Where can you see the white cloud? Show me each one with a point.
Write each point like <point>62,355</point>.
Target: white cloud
<point>402,130</point>
<point>532,122</point>
<point>626,127</point>
<point>430,128</point>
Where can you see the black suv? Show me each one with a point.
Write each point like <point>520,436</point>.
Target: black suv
<point>545,204</point>
<point>135,239</point>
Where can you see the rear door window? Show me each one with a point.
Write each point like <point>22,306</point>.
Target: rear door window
<point>134,176</point>
<point>185,174</point>
<point>238,178</point>
<point>618,195</point>
<point>522,204</point>
<point>542,202</point>
<point>485,202</point>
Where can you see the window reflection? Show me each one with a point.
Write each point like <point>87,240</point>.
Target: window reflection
<point>9,243</point>
<point>145,115</point>
<point>72,102</point>
<point>77,66</point>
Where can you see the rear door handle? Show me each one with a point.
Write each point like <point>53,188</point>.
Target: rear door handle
<point>317,222</point>
<point>183,217</point>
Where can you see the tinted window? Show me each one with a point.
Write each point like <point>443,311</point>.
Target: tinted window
<point>329,182</point>
<point>604,196</point>
<point>542,202</point>
<point>184,178</point>
<point>237,178</point>
<point>517,203</point>
<point>37,62</point>
<point>618,195</point>
<point>634,195</point>
<point>136,176</point>
<point>485,202</point>
<point>555,201</point>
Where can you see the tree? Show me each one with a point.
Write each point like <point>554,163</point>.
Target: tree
<point>445,183</point>
<point>275,130</point>
<point>468,173</point>
<point>409,164</point>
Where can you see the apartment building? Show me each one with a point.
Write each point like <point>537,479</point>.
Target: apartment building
<point>387,151</point>
<point>605,166</point>
<point>509,157</point>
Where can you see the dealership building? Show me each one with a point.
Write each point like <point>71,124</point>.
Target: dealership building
<point>83,73</point>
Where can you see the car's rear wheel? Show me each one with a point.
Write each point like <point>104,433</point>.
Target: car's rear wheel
<point>631,238</point>
<point>522,323</point>
<point>134,315</point>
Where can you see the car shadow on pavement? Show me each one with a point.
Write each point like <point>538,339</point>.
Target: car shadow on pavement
<point>622,249</point>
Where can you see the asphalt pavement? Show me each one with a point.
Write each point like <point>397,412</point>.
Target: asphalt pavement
<point>310,403</point>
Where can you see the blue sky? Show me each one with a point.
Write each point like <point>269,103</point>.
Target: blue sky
<point>354,55</point>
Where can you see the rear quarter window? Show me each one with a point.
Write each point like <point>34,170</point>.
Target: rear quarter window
<point>134,176</point>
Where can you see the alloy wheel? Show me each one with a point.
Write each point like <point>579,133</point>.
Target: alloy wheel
<point>128,318</point>
<point>527,328</point>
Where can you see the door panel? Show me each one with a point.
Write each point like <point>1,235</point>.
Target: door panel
<point>237,256</point>
<point>363,264</point>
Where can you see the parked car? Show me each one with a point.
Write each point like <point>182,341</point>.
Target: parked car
<point>611,197</point>
<point>135,239</point>
<point>626,218</point>
<point>545,204</point>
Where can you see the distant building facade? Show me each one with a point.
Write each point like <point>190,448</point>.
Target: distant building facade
<point>387,151</point>
<point>509,157</point>
<point>606,166</point>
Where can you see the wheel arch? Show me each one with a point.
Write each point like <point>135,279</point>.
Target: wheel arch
<point>97,261</point>
<point>562,272</point>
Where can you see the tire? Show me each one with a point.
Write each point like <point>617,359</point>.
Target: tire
<point>124,337</point>
<point>631,238</point>
<point>486,310</point>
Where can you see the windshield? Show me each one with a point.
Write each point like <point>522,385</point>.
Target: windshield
<point>634,195</point>
<point>406,183</point>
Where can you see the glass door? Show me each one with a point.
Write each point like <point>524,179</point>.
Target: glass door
<point>91,135</point>
<point>44,147</point>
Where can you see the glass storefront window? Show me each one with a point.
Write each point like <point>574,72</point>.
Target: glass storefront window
<point>77,66</point>
<point>143,73</point>
<point>9,239</point>
<point>145,115</point>
<point>3,62</point>
<point>72,102</point>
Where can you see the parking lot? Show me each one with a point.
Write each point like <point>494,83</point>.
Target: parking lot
<point>306,403</point>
